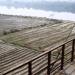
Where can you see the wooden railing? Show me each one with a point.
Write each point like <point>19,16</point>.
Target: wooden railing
<point>56,60</point>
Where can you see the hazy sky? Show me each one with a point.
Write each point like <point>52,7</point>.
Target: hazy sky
<point>38,0</point>
<point>45,0</point>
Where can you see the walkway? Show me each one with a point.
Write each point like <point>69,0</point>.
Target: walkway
<point>70,69</point>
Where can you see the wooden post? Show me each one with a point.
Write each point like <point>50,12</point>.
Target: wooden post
<point>29,68</point>
<point>49,63</point>
<point>72,53</point>
<point>62,56</point>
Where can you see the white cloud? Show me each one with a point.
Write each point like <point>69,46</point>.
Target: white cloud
<point>38,13</point>
<point>44,0</point>
<point>39,0</point>
<point>27,0</point>
<point>7,1</point>
<point>62,0</point>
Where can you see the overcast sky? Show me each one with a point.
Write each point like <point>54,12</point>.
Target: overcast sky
<point>39,0</point>
<point>45,0</point>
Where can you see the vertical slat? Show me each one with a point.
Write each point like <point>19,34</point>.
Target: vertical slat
<point>49,63</point>
<point>72,53</point>
<point>62,56</point>
<point>30,68</point>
